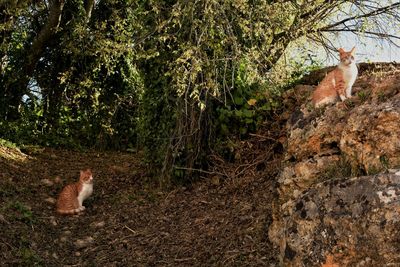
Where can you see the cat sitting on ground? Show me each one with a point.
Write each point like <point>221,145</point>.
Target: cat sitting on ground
<point>72,196</point>
<point>338,82</point>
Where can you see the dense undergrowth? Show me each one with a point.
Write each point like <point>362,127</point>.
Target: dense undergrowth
<point>144,121</point>
<point>176,79</point>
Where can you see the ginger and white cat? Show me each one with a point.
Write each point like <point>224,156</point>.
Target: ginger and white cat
<point>72,196</point>
<point>339,82</point>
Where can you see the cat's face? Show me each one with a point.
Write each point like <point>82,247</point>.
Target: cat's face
<point>86,176</point>
<point>347,58</point>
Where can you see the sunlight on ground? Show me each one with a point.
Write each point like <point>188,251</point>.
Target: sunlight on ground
<point>13,154</point>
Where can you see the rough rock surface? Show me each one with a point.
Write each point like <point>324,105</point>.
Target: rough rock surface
<point>337,204</point>
<point>354,221</point>
<point>372,135</point>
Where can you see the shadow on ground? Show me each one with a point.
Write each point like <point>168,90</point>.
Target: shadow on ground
<point>127,222</point>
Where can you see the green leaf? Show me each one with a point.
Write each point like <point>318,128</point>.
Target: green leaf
<point>248,113</point>
<point>238,113</point>
<point>224,129</point>
<point>248,121</point>
<point>238,100</point>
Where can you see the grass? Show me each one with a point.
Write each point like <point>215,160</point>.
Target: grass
<point>21,220</point>
<point>340,169</point>
<point>6,143</point>
<point>364,95</point>
<point>17,211</point>
<point>381,96</point>
<point>28,257</point>
<point>10,151</point>
<point>350,103</point>
<point>344,169</point>
<point>32,149</point>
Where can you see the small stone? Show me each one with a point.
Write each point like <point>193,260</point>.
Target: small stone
<point>98,224</point>
<point>63,239</point>
<point>296,193</point>
<point>82,243</point>
<point>3,220</point>
<point>47,182</point>
<point>54,255</point>
<point>57,180</point>
<point>50,200</point>
<point>215,180</point>
<point>77,254</point>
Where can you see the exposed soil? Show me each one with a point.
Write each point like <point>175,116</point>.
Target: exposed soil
<point>220,220</point>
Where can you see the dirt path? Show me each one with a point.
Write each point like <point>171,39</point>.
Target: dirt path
<point>214,222</point>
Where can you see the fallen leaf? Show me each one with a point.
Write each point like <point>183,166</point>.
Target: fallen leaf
<point>252,102</point>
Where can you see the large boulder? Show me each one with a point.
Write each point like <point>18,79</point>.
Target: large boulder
<point>347,222</point>
<point>334,186</point>
<point>371,137</point>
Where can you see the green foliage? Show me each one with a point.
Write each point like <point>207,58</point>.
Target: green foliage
<point>29,257</point>
<point>85,91</point>
<point>381,96</point>
<point>337,170</point>
<point>303,64</point>
<point>170,77</point>
<point>364,95</point>
<point>7,143</point>
<point>194,64</point>
<point>384,162</point>
<point>21,212</point>
<point>247,107</point>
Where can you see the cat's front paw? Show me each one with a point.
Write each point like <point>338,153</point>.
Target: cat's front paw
<point>82,208</point>
<point>342,97</point>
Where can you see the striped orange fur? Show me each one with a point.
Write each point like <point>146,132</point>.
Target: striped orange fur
<point>72,196</point>
<point>339,82</point>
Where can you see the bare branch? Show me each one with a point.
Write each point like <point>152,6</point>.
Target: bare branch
<point>376,34</point>
<point>375,12</point>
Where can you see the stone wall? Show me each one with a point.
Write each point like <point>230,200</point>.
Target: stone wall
<point>339,194</point>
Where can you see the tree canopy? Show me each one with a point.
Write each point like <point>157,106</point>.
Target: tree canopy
<point>170,77</point>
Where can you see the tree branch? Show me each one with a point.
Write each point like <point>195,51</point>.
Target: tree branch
<point>318,8</point>
<point>44,36</point>
<point>377,34</point>
<point>366,15</point>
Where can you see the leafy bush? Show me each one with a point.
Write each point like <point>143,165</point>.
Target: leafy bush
<point>247,107</point>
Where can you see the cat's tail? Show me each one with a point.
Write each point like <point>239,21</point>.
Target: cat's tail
<point>68,212</point>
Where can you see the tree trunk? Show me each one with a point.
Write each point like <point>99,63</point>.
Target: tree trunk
<point>89,5</point>
<point>47,32</point>
<point>18,87</point>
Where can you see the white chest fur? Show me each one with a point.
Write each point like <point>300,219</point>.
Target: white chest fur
<point>349,74</point>
<point>87,190</point>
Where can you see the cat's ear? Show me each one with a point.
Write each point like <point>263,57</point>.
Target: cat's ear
<point>353,50</point>
<point>341,50</point>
